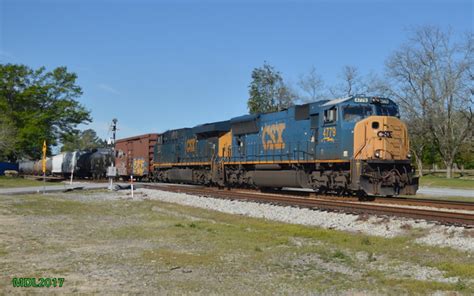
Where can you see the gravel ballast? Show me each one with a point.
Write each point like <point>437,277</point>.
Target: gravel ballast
<point>437,235</point>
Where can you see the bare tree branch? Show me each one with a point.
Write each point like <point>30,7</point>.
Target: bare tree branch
<point>432,77</point>
<point>312,86</point>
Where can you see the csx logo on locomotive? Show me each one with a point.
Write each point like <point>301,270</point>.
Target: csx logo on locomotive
<point>384,134</point>
<point>272,136</point>
<point>329,133</point>
<point>191,145</point>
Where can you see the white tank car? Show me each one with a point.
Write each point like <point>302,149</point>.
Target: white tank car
<point>57,168</point>
<point>26,167</point>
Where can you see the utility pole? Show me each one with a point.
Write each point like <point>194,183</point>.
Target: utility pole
<point>111,170</point>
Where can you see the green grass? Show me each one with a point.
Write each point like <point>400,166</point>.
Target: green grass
<point>440,197</point>
<point>10,182</point>
<point>183,250</point>
<point>458,183</point>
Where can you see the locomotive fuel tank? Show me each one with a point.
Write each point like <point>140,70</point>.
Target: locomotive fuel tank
<point>281,178</point>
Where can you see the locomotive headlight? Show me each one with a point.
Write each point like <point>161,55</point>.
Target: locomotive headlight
<point>377,154</point>
<point>409,155</point>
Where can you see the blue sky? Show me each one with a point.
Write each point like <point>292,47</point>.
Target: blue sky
<point>159,65</point>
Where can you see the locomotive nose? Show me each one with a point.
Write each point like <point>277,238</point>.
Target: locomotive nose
<point>381,137</point>
<point>381,162</point>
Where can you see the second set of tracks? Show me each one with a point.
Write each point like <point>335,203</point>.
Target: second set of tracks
<point>441,211</point>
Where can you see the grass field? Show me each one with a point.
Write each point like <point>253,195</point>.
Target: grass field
<point>124,246</point>
<point>440,197</point>
<point>435,181</point>
<point>9,182</point>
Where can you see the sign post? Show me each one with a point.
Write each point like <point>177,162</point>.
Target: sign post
<point>44,166</point>
<point>112,170</point>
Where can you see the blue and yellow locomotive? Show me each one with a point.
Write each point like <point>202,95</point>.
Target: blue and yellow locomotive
<point>354,145</point>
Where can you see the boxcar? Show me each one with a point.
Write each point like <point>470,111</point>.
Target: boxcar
<point>134,156</point>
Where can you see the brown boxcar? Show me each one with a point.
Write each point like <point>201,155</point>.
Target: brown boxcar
<point>134,156</point>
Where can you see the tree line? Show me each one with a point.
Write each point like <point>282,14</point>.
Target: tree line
<point>430,76</point>
<point>38,105</point>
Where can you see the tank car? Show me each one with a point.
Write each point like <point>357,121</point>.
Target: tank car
<point>93,164</point>
<point>25,167</point>
<point>353,145</point>
<point>30,167</point>
<point>57,164</point>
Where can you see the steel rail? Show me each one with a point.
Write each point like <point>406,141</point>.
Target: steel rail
<point>396,200</point>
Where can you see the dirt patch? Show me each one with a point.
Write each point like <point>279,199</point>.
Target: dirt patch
<point>107,243</point>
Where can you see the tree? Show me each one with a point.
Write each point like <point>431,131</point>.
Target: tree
<point>312,86</point>
<point>268,92</point>
<point>82,140</point>
<point>374,85</point>
<point>466,155</point>
<point>351,77</point>
<point>419,138</point>
<point>432,80</point>
<point>7,138</point>
<point>352,83</point>
<point>40,105</point>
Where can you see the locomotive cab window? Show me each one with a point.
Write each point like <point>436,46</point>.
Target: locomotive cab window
<point>387,110</point>
<point>356,113</point>
<point>330,115</point>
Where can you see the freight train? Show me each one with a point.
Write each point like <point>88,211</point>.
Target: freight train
<point>353,145</point>
<point>91,164</point>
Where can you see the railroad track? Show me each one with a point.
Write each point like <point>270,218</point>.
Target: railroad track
<point>396,200</point>
<point>327,204</point>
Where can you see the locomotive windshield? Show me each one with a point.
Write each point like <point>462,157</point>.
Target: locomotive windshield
<point>356,113</point>
<point>387,110</point>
